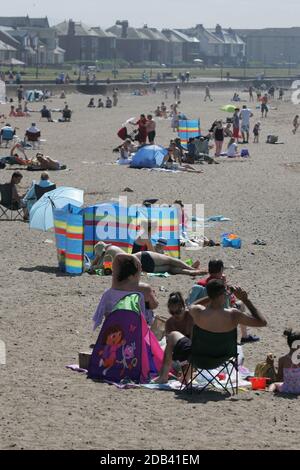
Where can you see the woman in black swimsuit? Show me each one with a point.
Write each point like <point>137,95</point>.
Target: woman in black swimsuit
<point>219,138</point>
<point>143,242</point>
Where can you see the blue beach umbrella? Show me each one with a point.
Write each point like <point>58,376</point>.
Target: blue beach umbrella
<point>41,213</point>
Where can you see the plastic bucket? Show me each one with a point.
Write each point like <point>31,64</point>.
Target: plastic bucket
<point>231,240</point>
<point>258,383</point>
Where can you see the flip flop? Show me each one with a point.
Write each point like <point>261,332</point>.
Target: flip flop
<point>259,242</point>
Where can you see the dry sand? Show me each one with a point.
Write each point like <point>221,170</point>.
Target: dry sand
<point>45,318</point>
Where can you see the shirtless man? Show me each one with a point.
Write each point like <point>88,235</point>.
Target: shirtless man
<point>213,318</point>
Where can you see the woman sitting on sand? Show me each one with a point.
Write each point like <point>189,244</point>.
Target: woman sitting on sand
<point>91,103</point>
<point>232,149</point>
<point>126,150</point>
<point>288,374</point>
<point>126,279</point>
<point>151,262</point>
<point>180,319</point>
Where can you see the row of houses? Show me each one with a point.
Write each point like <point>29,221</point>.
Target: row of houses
<point>146,44</point>
<point>33,41</point>
<point>30,40</point>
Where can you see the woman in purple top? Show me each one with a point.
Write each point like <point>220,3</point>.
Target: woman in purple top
<point>126,280</point>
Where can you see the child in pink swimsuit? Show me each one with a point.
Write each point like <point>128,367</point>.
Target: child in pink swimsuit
<point>288,374</point>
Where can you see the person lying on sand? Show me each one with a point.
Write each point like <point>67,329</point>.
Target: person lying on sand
<point>43,162</point>
<point>214,318</point>
<point>169,162</point>
<point>151,262</point>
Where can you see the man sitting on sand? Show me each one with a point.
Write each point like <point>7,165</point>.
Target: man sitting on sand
<point>46,113</point>
<point>214,318</point>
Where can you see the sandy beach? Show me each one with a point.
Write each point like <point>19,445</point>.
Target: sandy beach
<point>45,317</point>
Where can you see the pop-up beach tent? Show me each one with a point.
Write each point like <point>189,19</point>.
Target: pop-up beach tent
<point>126,348</point>
<point>149,156</point>
<point>77,230</point>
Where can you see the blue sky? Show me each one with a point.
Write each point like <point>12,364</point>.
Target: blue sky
<point>164,13</point>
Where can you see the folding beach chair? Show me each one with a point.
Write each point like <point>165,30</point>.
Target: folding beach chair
<point>7,205</point>
<point>39,190</point>
<point>212,351</point>
<point>7,135</point>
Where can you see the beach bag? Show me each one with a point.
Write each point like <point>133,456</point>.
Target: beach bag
<point>245,153</point>
<point>266,368</point>
<point>122,133</point>
<point>272,139</point>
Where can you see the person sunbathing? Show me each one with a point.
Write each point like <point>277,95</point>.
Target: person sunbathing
<point>214,318</point>
<point>169,163</point>
<point>43,162</point>
<point>126,278</point>
<point>20,159</point>
<point>151,262</point>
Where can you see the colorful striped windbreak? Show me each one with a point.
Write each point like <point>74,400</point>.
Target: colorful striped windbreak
<point>188,129</point>
<point>77,230</point>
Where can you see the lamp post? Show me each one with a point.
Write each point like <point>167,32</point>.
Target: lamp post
<point>115,72</point>
<point>37,62</point>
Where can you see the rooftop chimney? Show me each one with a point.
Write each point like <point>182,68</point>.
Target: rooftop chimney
<point>124,25</point>
<point>71,28</point>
